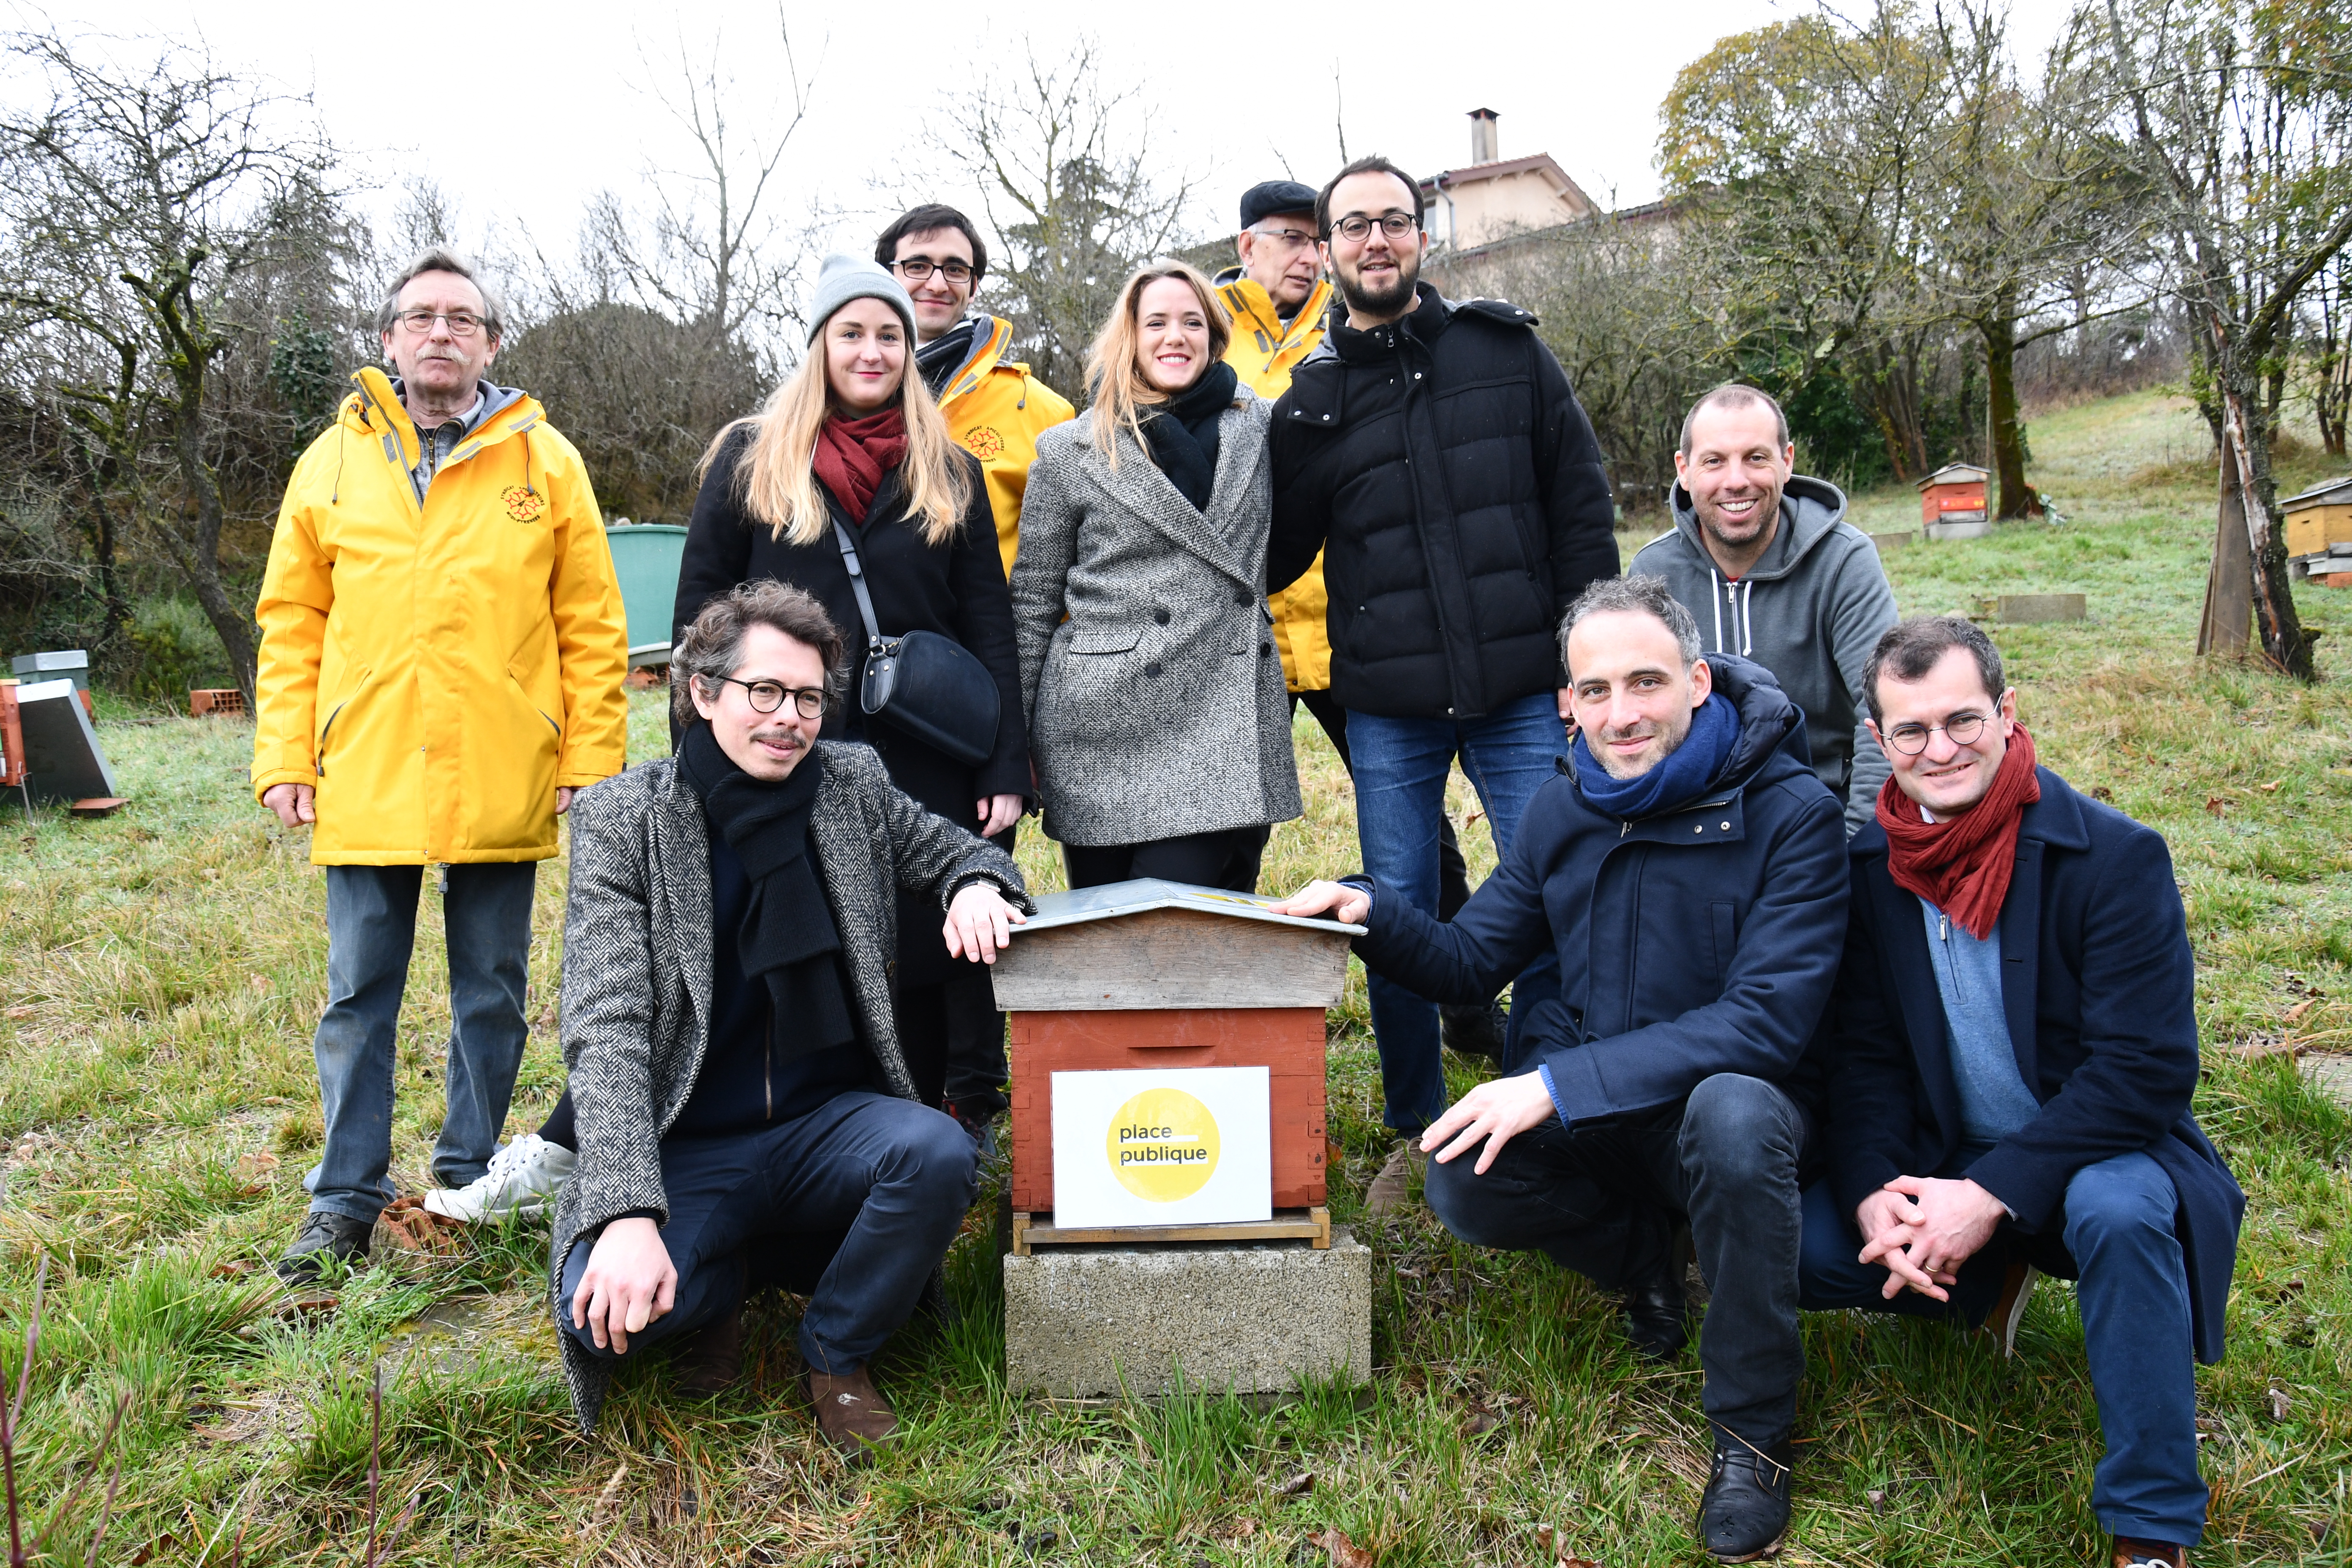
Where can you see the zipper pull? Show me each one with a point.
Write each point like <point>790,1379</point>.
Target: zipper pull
<point>1943,926</point>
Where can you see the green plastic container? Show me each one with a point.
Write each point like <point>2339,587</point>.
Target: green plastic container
<point>645,558</point>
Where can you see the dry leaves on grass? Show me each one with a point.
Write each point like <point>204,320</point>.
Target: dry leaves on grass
<point>409,1225</point>
<point>1344,1552</point>
<point>1546,1538</point>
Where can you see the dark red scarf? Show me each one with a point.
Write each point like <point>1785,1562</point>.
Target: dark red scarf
<point>1962,864</point>
<point>851,456</point>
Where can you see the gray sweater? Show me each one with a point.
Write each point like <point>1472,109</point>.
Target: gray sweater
<point>1810,611</point>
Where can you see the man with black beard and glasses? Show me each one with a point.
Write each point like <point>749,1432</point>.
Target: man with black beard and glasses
<point>1449,557</point>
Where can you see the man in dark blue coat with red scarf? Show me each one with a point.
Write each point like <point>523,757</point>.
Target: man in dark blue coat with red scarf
<point>1687,867</point>
<point>2012,1050</point>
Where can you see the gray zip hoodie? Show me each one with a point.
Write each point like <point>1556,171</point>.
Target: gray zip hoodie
<point>1810,611</point>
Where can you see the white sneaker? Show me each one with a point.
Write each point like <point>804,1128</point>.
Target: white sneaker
<point>523,1176</point>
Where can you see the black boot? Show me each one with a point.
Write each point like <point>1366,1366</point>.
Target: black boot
<point>1744,1512</point>
<point>1474,1030</point>
<point>325,1241</point>
<point>1657,1318</point>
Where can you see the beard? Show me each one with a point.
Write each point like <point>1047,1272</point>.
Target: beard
<point>1670,740</point>
<point>1744,531</point>
<point>1385,299</point>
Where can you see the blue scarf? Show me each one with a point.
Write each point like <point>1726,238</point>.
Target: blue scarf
<point>1683,776</point>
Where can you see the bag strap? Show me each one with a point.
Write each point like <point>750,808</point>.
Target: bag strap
<point>857,583</point>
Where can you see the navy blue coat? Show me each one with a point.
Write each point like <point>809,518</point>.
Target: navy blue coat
<point>1702,940</point>
<point>2099,986</point>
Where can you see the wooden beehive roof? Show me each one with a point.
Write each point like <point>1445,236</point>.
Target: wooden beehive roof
<point>1152,944</point>
<point>1955,474</point>
<point>2334,493</point>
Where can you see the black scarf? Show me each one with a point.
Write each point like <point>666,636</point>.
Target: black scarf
<point>940,359</point>
<point>1183,433</point>
<point>788,934</point>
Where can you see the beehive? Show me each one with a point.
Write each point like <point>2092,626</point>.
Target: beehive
<point>1954,493</point>
<point>1157,975</point>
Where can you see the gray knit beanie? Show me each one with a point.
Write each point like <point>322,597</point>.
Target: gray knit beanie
<point>845,278</point>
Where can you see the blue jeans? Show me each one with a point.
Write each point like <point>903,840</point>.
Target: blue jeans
<point>1400,767</point>
<point>371,932</point>
<point>2133,1292</point>
<point>854,1203</point>
<point>1601,1199</point>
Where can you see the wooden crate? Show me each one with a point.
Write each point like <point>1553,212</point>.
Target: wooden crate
<point>1286,1041</point>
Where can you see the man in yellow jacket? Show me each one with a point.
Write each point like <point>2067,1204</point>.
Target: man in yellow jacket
<point>442,651</point>
<point>994,408</point>
<point>1280,301</point>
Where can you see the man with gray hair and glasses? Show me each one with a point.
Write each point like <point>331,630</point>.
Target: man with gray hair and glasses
<point>1688,869</point>
<point>442,651</point>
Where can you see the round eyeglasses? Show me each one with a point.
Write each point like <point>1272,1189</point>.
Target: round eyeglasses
<point>767,696</point>
<point>915,269</point>
<point>1960,729</point>
<point>1355,226</point>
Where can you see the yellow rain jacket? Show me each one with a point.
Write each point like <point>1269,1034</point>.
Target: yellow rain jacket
<point>997,410</point>
<point>438,671</point>
<point>1263,352</point>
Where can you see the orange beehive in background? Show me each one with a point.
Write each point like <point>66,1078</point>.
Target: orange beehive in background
<point>1953,493</point>
<point>1157,975</point>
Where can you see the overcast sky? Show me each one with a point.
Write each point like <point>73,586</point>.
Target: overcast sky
<point>520,111</point>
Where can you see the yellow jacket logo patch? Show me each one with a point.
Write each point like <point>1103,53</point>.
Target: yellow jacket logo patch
<point>984,442</point>
<point>523,503</point>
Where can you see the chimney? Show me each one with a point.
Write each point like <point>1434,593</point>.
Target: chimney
<point>1484,148</point>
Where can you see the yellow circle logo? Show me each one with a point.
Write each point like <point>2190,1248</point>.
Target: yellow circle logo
<point>523,503</point>
<point>984,442</point>
<point>1162,1145</point>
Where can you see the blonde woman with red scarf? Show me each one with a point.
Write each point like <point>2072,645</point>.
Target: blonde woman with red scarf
<point>852,436</point>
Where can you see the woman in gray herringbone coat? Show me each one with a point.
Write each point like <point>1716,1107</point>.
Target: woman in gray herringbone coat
<point>1158,719</point>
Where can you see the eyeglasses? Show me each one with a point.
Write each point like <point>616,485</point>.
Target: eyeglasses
<point>1960,729</point>
<point>915,269</point>
<point>767,696</point>
<point>462,323</point>
<point>1288,239</point>
<point>1355,226</point>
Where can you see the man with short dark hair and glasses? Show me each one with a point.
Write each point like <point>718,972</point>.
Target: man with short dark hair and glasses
<point>994,408</point>
<point>2013,1050</point>
<point>745,1114</point>
<point>442,651</point>
<point>1281,305</point>
<point>1434,454</point>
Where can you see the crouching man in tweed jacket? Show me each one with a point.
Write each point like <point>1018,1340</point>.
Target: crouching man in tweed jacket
<point>745,1113</point>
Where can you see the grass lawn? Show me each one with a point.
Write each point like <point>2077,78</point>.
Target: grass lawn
<point>160,971</point>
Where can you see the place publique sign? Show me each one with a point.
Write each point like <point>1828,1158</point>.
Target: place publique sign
<point>1173,1146</point>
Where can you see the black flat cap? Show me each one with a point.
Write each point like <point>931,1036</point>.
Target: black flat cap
<point>1275,197</point>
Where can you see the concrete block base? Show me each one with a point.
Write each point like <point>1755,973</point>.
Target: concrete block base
<point>1974,530</point>
<point>1255,1318</point>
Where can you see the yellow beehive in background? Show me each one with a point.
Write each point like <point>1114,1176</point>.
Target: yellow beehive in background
<point>2318,518</point>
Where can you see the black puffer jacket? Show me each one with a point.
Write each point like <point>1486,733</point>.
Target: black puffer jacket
<point>1445,470</point>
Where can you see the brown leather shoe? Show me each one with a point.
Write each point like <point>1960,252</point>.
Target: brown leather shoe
<point>2131,1553</point>
<point>851,1413</point>
<point>712,1362</point>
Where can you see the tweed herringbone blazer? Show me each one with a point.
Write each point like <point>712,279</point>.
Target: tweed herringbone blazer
<point>1157,708</point>
<point>637,968</point>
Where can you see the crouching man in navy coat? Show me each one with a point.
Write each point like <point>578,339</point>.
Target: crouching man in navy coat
<point>1689,869</point>
<point>2012,1050</point>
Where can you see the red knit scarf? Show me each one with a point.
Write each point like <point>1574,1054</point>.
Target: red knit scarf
<point>851,456</point>
<point>1962,864</point>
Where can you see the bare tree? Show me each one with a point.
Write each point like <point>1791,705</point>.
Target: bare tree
<point>132,199</point>
<point>1067,178</point>
<point>2240,113</point>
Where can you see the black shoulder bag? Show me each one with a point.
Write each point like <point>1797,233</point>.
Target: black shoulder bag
<point>922,683</point>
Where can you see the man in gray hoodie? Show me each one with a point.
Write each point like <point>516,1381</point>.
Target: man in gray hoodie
<point>1764,559</point>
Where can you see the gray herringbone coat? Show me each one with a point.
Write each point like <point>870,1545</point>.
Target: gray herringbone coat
<point>637,968</point>
<point>1156,708</point>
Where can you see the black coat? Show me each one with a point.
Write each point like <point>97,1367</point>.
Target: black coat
<point>1701,940</point>
<point>956,590</point>
<point>1445,470</point>
<point>2099,986</point>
